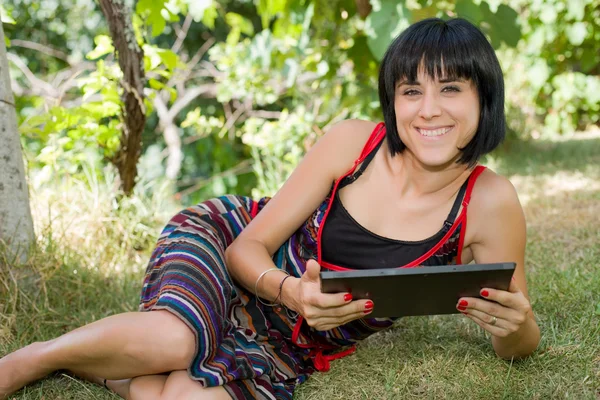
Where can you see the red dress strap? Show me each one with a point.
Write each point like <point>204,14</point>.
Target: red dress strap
<point>463,217</point>
<point>376,136</point>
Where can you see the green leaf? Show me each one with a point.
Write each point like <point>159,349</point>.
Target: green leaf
<point>502,26</point>
<point>169,58</point>
<point>5,16</point>
<point>237,21</point>
<point>197,8</point>
<point>576,33</point>
<point>468,10</point>
<point>153,9</point>
<point>156,85</point>
<point>209,17</point>
<point>267,9</point>
<point>103,47</point>
<point>589,59</point>
<point>384,24</point>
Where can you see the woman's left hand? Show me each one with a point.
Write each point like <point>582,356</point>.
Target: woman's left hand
<point>501,312</point>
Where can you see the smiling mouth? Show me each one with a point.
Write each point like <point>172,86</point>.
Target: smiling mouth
<point>434,132</point>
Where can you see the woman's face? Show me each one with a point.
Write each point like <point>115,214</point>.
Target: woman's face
<point>436,117</point>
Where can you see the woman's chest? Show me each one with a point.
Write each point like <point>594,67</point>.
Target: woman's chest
<point>378,208</point>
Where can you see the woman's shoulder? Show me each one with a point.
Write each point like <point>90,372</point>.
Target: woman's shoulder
<point>352,130</point>
<point>344,141</point>
<point>493,195</point>
<point>494,190</point>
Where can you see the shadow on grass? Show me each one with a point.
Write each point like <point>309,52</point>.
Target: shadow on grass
<point>547,157</point>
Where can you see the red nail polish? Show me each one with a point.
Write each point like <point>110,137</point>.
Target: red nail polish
<point>347,297</point>
<point>461,308</point>
<point>463,303</point>
<point>369,305</point>
<point>485,293</point>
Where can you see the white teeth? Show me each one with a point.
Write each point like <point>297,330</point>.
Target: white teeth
<point>434,132</point>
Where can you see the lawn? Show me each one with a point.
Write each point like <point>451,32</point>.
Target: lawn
<point>91,262</point>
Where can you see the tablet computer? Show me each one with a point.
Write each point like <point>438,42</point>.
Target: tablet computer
<point>398,292</point>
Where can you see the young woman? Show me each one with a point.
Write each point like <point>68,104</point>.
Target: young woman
<point>233,284</point>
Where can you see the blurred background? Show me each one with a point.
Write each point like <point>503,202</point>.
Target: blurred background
<point>235,91</point>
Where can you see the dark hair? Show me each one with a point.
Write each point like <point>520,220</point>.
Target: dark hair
<point>455,49</point>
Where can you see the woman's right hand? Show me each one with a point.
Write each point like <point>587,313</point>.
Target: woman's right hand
<point>323,311</point>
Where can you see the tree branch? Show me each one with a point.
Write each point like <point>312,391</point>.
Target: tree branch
<point>38,86</point>
<point>41,48</point>
<point>182,34</point>
<point>189,95</point>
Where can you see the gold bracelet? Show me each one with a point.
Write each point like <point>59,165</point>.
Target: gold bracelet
<point>257,282</point>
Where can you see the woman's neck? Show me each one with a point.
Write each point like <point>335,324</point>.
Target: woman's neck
<point>415,179</point>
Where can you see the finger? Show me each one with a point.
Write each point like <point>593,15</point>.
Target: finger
<point>493,329</point>
<point>340,304</point>
<point>312,272</point>
<point>485,306</point>
<point>508,299</point>
<point>331,300</point>
<point>330,322</point>
<point>488,319</point>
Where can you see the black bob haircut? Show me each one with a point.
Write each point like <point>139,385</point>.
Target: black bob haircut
<point>454,49</point>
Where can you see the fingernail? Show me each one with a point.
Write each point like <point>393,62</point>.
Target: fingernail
<point>369,305</point>
<point>461,308</point>
<point>512,278</point>
<point>485,293</point>
<point>347,297</point>
<point>463,303</point>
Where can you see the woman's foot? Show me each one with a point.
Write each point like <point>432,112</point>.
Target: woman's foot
<point>20,368</point>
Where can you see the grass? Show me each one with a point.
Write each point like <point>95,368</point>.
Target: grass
<point>92,259</point>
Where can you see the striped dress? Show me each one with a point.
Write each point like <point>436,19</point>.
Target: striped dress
<point>252,350</point>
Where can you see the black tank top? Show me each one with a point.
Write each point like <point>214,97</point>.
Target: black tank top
<point>347,243</point>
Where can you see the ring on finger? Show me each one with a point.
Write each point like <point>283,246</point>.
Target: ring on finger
<point>493,321</point>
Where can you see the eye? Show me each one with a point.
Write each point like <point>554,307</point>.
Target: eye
<point>411,92</point>
<point>451,88</point>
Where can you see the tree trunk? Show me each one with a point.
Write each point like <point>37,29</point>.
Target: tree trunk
<point>16,225</point>
<point>131,59</point>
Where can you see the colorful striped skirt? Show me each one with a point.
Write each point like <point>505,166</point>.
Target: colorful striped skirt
<point>240,344</point>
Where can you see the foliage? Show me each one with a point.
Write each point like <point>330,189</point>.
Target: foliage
<point>556,66</point>
<point>279,73</point>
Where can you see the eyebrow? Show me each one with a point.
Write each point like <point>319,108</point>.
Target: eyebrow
<point>416,83</point>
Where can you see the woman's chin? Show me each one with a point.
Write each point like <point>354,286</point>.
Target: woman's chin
<point>436,161</point>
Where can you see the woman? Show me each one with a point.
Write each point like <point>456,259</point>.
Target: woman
<point>236,306</point>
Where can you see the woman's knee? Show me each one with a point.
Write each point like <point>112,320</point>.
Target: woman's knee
<point>170,345</point>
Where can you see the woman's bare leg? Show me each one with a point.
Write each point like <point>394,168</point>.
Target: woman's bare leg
<point>175,386</point>
<point>118,347</point>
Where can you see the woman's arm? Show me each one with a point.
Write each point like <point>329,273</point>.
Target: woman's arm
<point>250,254</point>
<point>497,225</point>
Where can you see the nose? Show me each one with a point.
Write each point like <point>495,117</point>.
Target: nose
<point>430,106</point>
